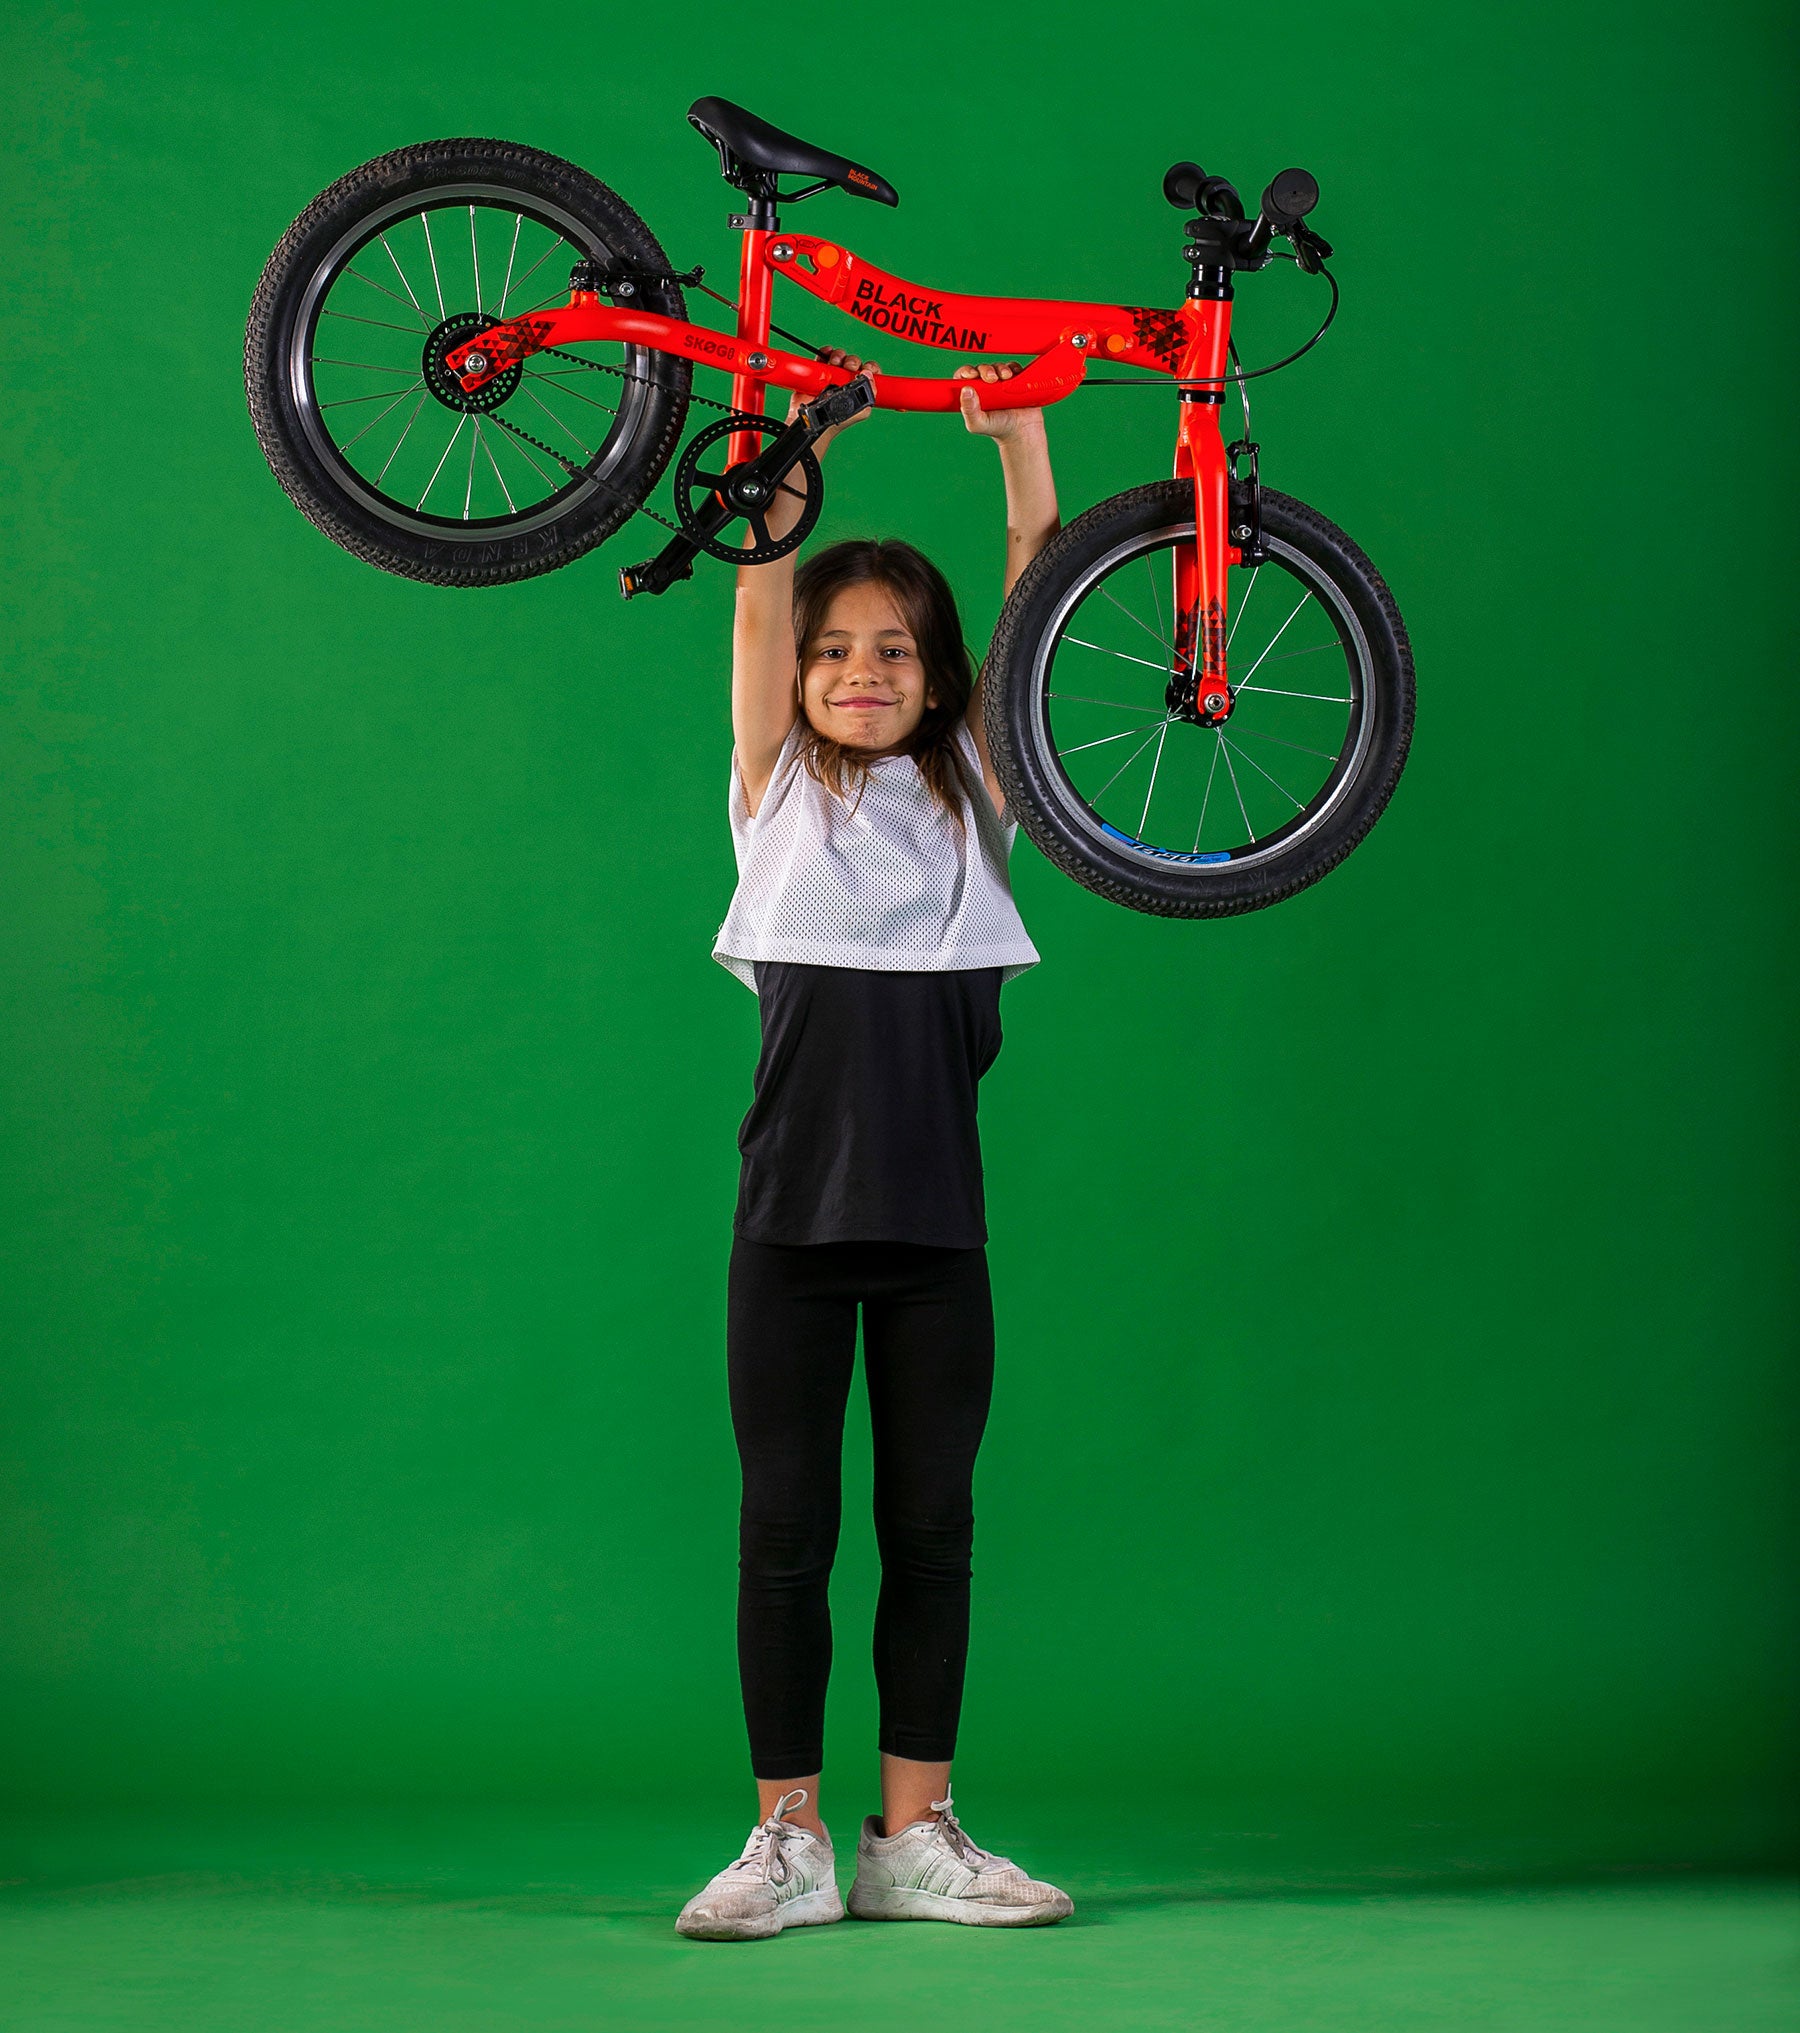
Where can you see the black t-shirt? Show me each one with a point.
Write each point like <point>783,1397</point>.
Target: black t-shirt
<point>863,1126</point>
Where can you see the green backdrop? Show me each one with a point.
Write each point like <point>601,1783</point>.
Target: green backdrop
<point>1391,1285</point>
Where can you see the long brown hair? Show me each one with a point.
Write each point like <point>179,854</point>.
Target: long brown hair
<point>926,604</point>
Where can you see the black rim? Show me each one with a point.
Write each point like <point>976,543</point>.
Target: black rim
<point>365,367</point>
<point>1142,781</point>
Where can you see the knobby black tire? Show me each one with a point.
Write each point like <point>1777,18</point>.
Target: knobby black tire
<point>573,520</point>
<point>1041,795</point>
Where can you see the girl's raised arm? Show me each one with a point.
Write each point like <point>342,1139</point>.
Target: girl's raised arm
<point>1031,512</point>
<point>765,659</point>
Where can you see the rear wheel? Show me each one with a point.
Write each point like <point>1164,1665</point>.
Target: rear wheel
<point>1144,803</point>
<point>378,445</point>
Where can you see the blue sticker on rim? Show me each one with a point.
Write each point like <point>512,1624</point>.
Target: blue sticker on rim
<point>1165,853</point>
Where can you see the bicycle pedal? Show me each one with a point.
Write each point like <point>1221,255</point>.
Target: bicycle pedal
<point>654,575</point>
<point>838,405</point>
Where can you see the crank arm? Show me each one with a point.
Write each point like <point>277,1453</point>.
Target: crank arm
<point>676,558</point>
<point>826,412</point>
<point>768,470</point>
<point>656,575</point>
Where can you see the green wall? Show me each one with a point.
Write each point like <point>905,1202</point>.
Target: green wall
<point>1392,1284</point>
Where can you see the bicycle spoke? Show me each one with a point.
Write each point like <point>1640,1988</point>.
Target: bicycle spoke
<point>512,255</point>
<point>575,392</point>
<point>404,284</point>
<point>380,324</point>
<point>1122,655</point>
<point>380,395</point>
<point>1256,734</point>
<point>1126,764</point>
<point>1206,795</point>
<point>401,439</point>
<point>324,360</point>
<point>425,221</point>
<point>525,454</point>
<point>1080,700</point>
<point>1246,756</point>
<point>1273,640</point>
<point>393,405</point>
<point>1275,692</point>
<point>1313,651</point>
<point>511,504</point>
<point>1232,773</point>
<point>383,288</point>
<point>533,269</point>
<point>1105,738</point>
<point>1231,632</point>
<point>1155,597</point>
<point>469,490</point>
<point>474,263</point>
<point>439,467</point>
<point>1144,822</point>
<point>554,418</point>
<point>1138,618</point>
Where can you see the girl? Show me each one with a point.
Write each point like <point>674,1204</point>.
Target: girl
<point>874,922</point>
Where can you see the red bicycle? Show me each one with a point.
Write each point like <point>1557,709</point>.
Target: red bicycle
<point>469,362</point>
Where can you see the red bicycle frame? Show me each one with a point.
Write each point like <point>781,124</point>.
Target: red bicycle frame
<point>1061,337</point>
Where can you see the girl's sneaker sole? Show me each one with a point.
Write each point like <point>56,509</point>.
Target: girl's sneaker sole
<point>902,1902</point>
<point>811,1909</point>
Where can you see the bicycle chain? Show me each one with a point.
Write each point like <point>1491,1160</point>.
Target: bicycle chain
<point>581,472</point>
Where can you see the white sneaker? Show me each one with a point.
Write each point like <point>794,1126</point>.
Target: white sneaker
<point>786,1877</point>
<point>932,1871</point>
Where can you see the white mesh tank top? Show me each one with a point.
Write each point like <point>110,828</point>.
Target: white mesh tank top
<point>893,885</point>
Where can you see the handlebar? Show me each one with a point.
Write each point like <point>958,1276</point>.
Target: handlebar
<point>1220,220</point>
<point>1289,197</point>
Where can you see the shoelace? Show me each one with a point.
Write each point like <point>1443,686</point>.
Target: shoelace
<point>765,1854</point>
<point>959,1841</point>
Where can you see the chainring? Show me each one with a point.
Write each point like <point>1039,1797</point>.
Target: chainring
<point>695,488</point>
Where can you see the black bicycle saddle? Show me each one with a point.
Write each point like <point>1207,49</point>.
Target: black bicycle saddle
<point>746,143</point>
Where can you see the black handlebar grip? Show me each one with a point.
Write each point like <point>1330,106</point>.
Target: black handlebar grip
<point>1181,185</point>
<point>1290,196</point>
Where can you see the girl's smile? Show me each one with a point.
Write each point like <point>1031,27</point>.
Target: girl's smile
<point>862,682</point>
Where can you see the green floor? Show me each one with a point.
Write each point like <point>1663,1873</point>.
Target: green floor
<point>382,1922</point>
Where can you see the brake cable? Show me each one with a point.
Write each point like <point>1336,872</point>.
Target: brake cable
<point>1241,375</point>
<point>818,352</point>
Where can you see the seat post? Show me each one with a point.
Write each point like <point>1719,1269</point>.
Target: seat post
<point>756,295</point>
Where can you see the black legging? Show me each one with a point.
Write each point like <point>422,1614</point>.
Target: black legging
<point>928,1350</point>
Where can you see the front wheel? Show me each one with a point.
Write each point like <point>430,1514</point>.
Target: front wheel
<point>378,444</point>
<point>1134,796</point>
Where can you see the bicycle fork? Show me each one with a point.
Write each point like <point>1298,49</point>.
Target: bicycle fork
<point>1199,689</point>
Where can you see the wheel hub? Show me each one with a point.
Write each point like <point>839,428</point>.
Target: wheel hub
<point>446,386</point>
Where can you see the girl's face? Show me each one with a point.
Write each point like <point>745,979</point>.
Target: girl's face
<point>861,681</point>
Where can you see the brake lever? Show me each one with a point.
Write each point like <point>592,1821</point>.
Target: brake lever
<point>1310,251</point>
